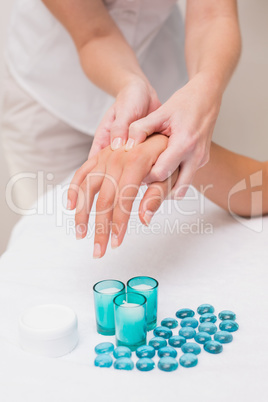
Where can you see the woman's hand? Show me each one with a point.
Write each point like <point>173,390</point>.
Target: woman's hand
<point>188,119</point>
<point>117,176</point>
<point>134,101</point>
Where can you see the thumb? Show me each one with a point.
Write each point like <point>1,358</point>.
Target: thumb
<point>119,130</point>
<point>140,129</point>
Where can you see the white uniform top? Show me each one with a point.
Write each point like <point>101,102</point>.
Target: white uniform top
<point>42,57</point>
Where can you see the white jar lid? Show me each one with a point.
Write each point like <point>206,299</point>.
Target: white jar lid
<point>49,330</point>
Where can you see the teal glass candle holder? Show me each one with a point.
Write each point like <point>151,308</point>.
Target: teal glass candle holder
<point>104,294</point>
<point>148,287</point>
<point>130,320</point>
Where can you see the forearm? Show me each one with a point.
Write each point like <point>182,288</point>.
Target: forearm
<point>217,180</point>
<point>106,58</point>
<point>213,42</point>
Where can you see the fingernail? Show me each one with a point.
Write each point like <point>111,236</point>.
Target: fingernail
<point>69,204</point>
<point>79,230</point>
<point>129,144</point>
<point>97,250</point>
<point>148,217</point>
<point>114,240</point>
<point>116,143</point>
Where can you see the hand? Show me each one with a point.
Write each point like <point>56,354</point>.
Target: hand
<point>117,176</point>
<point>188,119</point>
<point>133,102</point>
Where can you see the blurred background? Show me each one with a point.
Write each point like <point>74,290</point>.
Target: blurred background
<point>243,122</point>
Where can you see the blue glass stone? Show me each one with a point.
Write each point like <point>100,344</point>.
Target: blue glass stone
<point>164,332</point>
<point>227,315</point>
<point>223,337</point>
<point>145,351</point>
<point>104,347</point>
<point>103,360</point>
<point>176,341</point>
<point>202,337</point>
<point>191,347</point>
<point>208,317</point>
<point>205,308</point>
<point>122,351</point>
<point>229,325</point>
<point>169,322</point>
<point>167,351</point>
<point>168,364</point>
<point>123,363</point>
<point>185,312</point>
<point>189,322</point>
<point>187,332</point>
<point>188,360</point>
<point>157,342</point>
<point>213,347</point>
<point>145,364</point>
<point>208,327</point>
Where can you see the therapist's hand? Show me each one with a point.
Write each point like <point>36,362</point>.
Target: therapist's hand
<point>188,119</point>
<point>135,100</point>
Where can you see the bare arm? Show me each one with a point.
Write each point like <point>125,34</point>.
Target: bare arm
<point>213,42</point>
<point>105,55</point>
<point>224,171</point>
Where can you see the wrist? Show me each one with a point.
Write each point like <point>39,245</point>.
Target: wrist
<point>211,82</point>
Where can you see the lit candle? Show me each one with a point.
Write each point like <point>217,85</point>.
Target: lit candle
<point>148,287</point>
<point>104,294</point>
<point>130,320</point>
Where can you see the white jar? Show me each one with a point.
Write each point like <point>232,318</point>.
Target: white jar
<point>48,330</point>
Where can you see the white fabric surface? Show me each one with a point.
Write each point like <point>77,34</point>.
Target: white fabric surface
<point>44,264</point>
<point>42,57</point>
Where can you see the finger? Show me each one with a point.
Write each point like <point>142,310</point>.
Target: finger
<point>77,180</point>
<point>87,191</point>
<point>186,174</point>
<point>102,134</point>
<point>166,164</point>
<point>104,209</point>
<point>154,196</point>
<point>142,128</point>
<point>126,195</point>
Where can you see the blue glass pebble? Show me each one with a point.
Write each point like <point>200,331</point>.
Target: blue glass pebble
<point>202,337</point>
<point>145,351</point>
<point>123,363</point>
<point>189,322</point>
<point>164,332</point>
<point>205,308</point>
<point>213,347</point>
<point>103,360</point>
<point>145,364</point>
<point>168,364</point>
<point>229,325</point>
<point>191,347</point>
<point>187,332</point>
<point>104,347</point>
<point>208,317</point>
<point>176,341</point>
<point>223,337</point>
<point>122,351</point>
<point>188,360</point>
<point>157,342</point>
<point>227,315</point>
<point>208,327</point>
<point>185,312</point>
<point>169,322</point>
<point>167,351</point>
